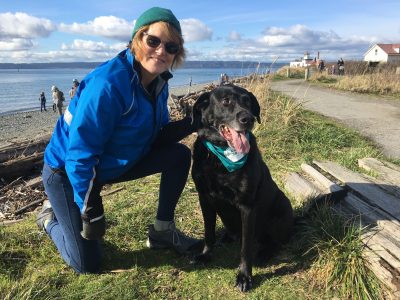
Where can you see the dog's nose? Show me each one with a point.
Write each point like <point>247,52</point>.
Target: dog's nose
<point>245,118</point>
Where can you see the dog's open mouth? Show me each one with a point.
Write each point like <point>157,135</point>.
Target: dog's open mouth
<point>235,139</point>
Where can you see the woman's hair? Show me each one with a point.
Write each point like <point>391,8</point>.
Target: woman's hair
<point>172,35</point>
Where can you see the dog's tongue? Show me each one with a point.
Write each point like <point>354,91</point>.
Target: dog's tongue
<point>238,141</point>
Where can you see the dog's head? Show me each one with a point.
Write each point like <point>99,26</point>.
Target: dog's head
<point>225,114</point>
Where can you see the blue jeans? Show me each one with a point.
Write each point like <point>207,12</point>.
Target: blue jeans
<point>84,256</point>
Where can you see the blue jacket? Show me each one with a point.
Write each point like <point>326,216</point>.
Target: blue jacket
<point>109,125</point>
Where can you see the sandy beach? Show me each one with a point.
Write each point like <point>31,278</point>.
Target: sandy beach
<point>33,124</point>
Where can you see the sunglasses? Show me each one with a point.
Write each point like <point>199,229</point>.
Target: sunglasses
<point>154,42</point>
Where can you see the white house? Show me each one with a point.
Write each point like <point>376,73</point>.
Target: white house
<point>383,53</point>
<point>305,62</point>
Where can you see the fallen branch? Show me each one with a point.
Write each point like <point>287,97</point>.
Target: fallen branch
<point>112,191</point>
<point>23,208</point>
<point>10,222</point>
<point>10,184</point>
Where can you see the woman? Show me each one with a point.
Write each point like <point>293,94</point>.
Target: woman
<point>116,129</point>
<point>58,99</point>
<point>75,84</point>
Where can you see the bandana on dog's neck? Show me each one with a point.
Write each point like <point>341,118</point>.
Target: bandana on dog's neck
<point>231,159</point>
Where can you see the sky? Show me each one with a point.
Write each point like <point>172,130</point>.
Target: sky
<point>254,30</point>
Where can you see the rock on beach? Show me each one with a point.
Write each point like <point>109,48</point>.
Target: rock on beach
<point>34,124</point>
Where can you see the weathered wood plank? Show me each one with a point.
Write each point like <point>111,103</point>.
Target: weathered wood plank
<point>323,183</point>
<point>392,166</point>
<point>34,182</point>
<point>384,185</point>
<point>374,209</point>
<point>372,215</point>
<point>366,188</point>
<point>387,174</point>
<point>378,266</point>
<point>382,241</point>
<point>300,188</point>
<point>383,246</point>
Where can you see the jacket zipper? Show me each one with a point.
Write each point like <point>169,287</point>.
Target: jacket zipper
<point>153,103</point>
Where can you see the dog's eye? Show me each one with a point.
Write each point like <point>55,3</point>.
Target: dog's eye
<point>226,101</point>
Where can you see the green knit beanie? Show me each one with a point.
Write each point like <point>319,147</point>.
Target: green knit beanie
<point>156,14</point>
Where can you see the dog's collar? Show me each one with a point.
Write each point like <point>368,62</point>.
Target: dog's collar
<point>231,160</point>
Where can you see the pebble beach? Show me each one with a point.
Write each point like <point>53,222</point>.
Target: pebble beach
<point>34,124</point>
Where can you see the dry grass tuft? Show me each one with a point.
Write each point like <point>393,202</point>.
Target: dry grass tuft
<point>363,78</point>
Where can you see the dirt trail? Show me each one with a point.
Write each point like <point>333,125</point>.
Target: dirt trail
<point>374,117</point>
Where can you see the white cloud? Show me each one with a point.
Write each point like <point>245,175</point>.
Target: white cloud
<point>15,44</point>
<point>22,25</point>
<point>299,38</point>
<point>234,36</point>
<point>85,45</point>
<point>56,56</point>
<point>104,26</point>
<point>194,30</point>
<point>302,36</point>
<point>18,30</point>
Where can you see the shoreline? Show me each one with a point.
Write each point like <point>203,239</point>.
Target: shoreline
<point>30,125</point>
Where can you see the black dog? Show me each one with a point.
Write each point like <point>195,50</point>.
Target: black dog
<point>248,201</point>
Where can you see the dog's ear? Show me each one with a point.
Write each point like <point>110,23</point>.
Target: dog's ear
<point>255,107</point>
<point>201,103</point>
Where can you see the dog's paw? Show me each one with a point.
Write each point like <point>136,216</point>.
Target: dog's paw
<point>243,282</point>
<point>201,258</point>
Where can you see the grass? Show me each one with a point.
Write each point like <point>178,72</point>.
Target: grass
<point>294,73</point>
<point>338,255</point>
<point>379,80</point>
<point>323,260</point>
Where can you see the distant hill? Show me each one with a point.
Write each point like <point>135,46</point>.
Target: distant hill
<point>91,65</point>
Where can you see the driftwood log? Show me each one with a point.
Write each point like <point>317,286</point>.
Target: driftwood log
<point>22,158</point>
<point>21,166</point>
<point>23,148</point>
<point>374,201</point>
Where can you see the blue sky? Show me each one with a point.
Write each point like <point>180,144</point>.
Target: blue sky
<point>255,30</point>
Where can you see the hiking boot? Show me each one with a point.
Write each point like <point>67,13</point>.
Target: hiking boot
<point>172,238</point>
<point>45,215</point>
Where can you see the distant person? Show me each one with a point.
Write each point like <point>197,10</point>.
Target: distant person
<point>54,97</point>
<point>58,99</point>
<point>333,68</point>
<point>117,128</point>
<point>75,84</point>
<point>42,99</point>
<point>226,78</point>
<point>340,64</point>
<point>190,84</point>
<point>321,65</point>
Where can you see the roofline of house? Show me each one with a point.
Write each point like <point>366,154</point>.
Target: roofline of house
<point>370,48</point>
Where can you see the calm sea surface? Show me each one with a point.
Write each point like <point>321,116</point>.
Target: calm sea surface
<point>20,89</point>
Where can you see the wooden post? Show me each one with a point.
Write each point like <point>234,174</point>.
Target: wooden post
<point>288,72</point>
<point>307,73</point>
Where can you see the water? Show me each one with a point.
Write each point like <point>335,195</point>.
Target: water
<point>20,89</point>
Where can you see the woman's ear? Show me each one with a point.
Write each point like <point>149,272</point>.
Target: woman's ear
<point>201,103</point>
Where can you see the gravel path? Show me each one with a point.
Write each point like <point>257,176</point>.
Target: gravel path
<point>33,124</point>
<point>374,117</point>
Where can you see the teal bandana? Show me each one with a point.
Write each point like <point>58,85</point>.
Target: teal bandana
<point>228,156</point>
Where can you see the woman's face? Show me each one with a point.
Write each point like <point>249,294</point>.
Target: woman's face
<point>155,60</point>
